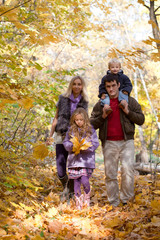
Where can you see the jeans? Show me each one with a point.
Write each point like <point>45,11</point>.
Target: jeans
<point>115,152</point>
<point>121,97</point>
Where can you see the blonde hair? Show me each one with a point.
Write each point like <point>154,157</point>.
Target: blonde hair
<point>84,88</point>
<point>86,129</point>
<point>114,60</point>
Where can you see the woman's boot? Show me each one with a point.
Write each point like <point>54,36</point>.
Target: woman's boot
<point>71,188</point>
<point>65,193</point>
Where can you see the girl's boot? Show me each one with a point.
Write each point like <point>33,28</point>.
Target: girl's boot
<point>87,199</point>
<point>79,201</point>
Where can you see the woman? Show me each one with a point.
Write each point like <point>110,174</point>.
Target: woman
<point>75,97</point>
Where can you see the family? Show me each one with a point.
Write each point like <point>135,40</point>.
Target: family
<point>115,115</point>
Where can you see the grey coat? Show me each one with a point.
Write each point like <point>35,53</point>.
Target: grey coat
<point>64,113</point>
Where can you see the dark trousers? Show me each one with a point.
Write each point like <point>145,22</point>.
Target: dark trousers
<point>61,160</point>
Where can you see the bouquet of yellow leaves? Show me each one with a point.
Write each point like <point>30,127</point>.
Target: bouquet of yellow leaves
<point>78,146</point>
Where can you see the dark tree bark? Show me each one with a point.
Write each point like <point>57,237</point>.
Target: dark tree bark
<point>153,18</point>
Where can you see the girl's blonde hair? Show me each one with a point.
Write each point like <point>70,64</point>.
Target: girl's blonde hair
<point>114,60</point>
<point>84,88</point>
<point>86,129</point>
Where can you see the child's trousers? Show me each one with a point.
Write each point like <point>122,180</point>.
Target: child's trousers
<point>121,97</point>
<point>84,180</point>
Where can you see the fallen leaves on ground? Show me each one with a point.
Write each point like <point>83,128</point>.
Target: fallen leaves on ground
<point>29,214</point>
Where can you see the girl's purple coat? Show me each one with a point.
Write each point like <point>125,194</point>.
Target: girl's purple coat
<point>86,158</point>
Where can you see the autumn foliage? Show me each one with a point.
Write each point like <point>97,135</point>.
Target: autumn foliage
<point>79,145</point>
<point>42,45</point>
<point>35,211</point>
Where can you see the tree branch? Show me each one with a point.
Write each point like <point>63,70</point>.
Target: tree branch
<point>146,6</point>
<point>20,125</point>
<point>156,9</point>
<point>14,7</point>
<point>17,116</point>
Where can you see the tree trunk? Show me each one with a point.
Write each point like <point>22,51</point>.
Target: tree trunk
<point>143,153</point>
<point>155,30</point>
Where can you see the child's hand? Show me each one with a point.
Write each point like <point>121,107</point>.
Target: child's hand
<point>103,96</point>
<point>125,92</point>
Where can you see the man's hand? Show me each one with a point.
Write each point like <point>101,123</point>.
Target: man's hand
<point>106,110</point>
<point>124,106</point>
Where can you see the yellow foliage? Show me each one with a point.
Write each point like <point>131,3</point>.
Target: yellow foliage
<point>40,151</point>
<point>155,204</point>
<point>154,25</point>
<point>156,152</point>
<point>156,221</point>
<point>37,238</point>
<point>157,192</point>
<point>78,146</point>
<point>141,1</point>
<point>26,103</point>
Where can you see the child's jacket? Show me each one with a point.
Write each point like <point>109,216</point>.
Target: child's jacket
<point>86,158</point>
<point>125,83</point>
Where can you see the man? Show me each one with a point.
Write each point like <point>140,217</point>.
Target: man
<point>116,132</point>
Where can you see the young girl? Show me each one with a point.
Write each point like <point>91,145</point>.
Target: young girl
<point>81,142</point>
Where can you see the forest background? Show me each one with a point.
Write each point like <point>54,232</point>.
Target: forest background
<point>42,45</point>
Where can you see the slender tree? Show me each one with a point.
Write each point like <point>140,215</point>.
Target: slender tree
<point>153,14</point>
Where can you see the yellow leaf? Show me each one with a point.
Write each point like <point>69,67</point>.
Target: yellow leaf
<point>156,152</point>
<point>141,1</point>
<point>37,238</point>
<point>15,205</point>
<point>112,223</point>
<point>155,204</point>
<point>86,145</point>
<point>40,151</point>
<point>2,232</point>
<point>55,226</point>
<point>52,212</point>
<point>30,209</point>
<point>156,221</point>
<point>157,192</point>
<point>26,103</point>
<point>154,25</point>
<point>76,145</point>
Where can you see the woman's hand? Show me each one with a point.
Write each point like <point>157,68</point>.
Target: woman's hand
<point>49,141</point>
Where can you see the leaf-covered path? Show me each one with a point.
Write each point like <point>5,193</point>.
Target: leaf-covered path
<point>29,214</point>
